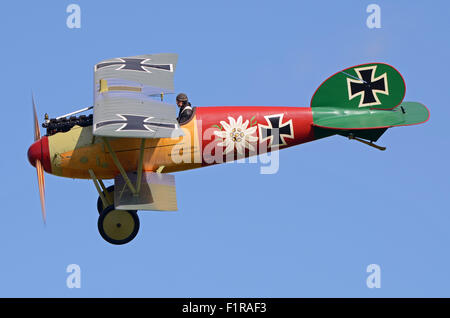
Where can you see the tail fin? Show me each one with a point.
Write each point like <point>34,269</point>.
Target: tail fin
<point>375,85</point>
<point>363,102</point>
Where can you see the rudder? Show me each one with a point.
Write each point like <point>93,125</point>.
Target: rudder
<point>375,85</point>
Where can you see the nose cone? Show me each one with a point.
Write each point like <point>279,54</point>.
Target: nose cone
<point>39,151</point>
<point>34,152</point>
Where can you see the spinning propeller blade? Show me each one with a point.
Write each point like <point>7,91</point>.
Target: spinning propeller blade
<point>39,167</point>
<point>41,184</point>
<point>37,133</point>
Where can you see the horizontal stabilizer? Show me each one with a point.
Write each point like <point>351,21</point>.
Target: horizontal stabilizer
<point>407,113</point>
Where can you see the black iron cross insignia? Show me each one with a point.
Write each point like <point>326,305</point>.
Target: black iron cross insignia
<point>133,64</point>
<point>134,123</point>
<point>367,86</point>
<point>276,128</point>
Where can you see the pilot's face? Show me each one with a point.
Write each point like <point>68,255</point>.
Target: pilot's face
<point>179,103</point>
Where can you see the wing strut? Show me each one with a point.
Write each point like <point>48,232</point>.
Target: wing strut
<point>140,163</point>
<point>134,189</point>
<point>119,166</point>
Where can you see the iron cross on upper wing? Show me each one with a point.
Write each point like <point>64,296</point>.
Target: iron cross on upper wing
<point>367,86</point>
<point>134,64</point>
<point>135,123</point>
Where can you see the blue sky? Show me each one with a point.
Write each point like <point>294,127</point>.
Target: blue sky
<point>334,207</point>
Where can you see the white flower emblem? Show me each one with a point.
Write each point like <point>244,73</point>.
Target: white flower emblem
<point>236,134</point>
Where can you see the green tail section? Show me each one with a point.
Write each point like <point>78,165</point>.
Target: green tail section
<point>407,113</point>
<point>364,101</point>
<point>366,86</point>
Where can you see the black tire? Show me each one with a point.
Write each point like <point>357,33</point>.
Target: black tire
<point>100,206</point>
<point>118,226</point>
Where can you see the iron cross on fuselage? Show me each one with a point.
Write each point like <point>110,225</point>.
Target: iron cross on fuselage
<point>276,130</point>
<point>133,64</point>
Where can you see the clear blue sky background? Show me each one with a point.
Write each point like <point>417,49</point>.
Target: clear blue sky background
<point>334,207</point>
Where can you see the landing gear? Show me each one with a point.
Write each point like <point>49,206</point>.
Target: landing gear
<point>118,226</point>
<point>109,196</point>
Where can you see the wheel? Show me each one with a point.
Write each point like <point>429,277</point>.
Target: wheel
<point>100,206</point>
<point>118,226</point>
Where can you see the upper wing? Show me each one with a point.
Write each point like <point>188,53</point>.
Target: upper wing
<point>123,106</point>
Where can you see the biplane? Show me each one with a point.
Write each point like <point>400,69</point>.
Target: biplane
<point>133,137</point>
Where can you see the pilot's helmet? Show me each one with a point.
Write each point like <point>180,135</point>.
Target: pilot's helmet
<point>182,97</point>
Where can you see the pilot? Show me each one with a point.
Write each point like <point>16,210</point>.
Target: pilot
<point>186,111</point>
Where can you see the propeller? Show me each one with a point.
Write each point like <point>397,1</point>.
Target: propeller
<point>39,167</point>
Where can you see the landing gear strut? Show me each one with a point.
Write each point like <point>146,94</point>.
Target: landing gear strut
<point>115,226</point>
<point>109,195</point>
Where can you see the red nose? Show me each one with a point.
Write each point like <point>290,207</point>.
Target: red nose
<point>39,151</point>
